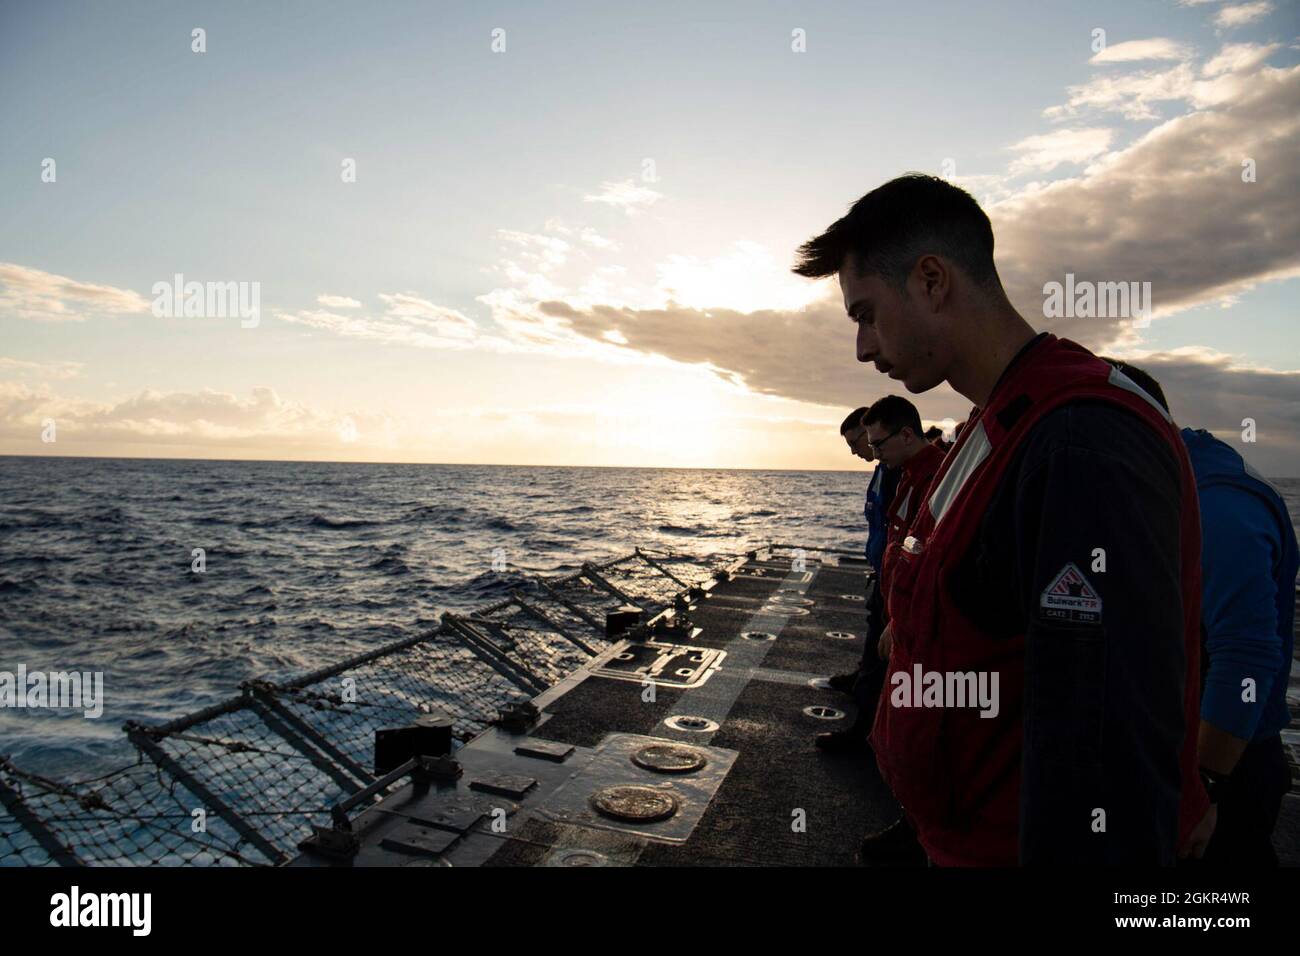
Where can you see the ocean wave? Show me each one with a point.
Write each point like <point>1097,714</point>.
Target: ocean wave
<point>341,524</point>
<point>390,564</point>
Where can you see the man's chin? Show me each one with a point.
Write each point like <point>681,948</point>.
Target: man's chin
<point>915,384</point>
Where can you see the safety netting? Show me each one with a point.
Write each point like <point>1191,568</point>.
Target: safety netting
<point>243,782</point>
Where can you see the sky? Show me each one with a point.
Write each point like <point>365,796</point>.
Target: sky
<point>561,233</point>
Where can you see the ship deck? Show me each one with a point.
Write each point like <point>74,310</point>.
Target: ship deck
<point>765,794</point>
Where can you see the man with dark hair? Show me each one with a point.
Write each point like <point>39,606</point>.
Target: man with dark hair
<point>1249,561</point>
<point>1056,555</point>
<point>934,435</point>
<point>894,428</point>
<point>880,495</point>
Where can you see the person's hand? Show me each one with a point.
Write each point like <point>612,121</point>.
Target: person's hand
<point>886,642</point>
<point>1199,838</point>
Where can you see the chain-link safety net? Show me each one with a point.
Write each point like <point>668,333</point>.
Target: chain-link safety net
<point>242,782</point>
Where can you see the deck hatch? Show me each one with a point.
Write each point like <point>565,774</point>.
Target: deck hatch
<point>668,665</point>
<point>613,782</point>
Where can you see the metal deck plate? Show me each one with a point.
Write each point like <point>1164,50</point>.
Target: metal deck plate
<point>613,766</point>
<point>545,750</point>
<point>668,665</point>
<point>669,758</point>
<point>507,785</point>
<point>425,841</point>
<point>635,804</point>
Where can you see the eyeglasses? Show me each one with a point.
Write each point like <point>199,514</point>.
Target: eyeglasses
<point>877,445</point>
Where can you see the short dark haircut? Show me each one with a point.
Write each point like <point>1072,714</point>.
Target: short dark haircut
<point>1141,378</point>
<point>933,432</point>
<point>854,420</point>
<point>893,413</point>
<point>891,227</point>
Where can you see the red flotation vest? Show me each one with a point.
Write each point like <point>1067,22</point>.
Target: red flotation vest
<point>909,496</point>
<point>956,775</point>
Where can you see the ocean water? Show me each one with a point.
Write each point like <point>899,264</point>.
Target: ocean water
<point>307,563</point>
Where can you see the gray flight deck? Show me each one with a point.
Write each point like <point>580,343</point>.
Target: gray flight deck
<point>737,677</point>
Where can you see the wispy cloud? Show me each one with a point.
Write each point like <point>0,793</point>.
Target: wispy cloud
<point>1133,95</point>
<point>628,195</point>
<point>40,369</point>
<point>1241,14</point>
<point>1046,151</point>
<point>407,319</point>
<point>32,294</point>
<point>1156,48</point>
<point>206,417</point>
<point>337,302</point>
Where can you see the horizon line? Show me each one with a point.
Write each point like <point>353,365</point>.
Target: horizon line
<point>464,464</point>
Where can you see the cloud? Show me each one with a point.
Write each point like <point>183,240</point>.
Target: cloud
<point>32,294</point>
<point>1239,58</point>
<point>206,418</point>
<point>806,355</point>
<point>408,320</point>
<point>1133,95</point>
<point>541,251</point>
<point>1172,209</point>
<point>628,195</point>
<point>584,234</point>
<point>1046,151</point>
<point>337,302</point>
<point>1240,14</point>
<point>1157,48</point>
<point>41,369</point>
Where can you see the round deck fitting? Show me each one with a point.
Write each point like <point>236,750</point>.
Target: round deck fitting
<point>841,635</point>
<point>823,713</point>
<point>669,758</point>
<point>852,597</point>
<point>700,725</point>
<point>758,635</point>
<point>782,609</point>
<point>578,858</point>
<point>792,598</point>
<point>634,804</point>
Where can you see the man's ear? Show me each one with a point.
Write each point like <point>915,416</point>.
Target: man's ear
<point>934,278</point>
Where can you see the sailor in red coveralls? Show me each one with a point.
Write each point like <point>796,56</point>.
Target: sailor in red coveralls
<point>1055,559</point>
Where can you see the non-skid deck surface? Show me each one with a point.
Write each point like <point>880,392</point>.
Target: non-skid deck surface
<point>768,795</point>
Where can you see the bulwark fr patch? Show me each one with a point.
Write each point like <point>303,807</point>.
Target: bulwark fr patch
<point>1071,597</point>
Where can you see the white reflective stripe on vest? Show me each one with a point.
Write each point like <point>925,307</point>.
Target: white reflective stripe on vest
<point>970,456</point>
<point>1120,380</point>
<point>902,508</point>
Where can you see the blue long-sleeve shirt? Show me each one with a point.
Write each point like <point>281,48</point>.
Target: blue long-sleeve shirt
<point>880,495</point>
<point>1249,560</point>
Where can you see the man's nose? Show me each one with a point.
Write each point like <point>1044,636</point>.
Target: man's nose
<point>867,344</point>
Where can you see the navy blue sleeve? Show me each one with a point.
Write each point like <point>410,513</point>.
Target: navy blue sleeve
<point>1240,544</point>
<point>1097,512</point>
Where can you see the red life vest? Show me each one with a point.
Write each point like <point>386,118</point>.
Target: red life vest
<point>956,775</point>
<point>909,498</point>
